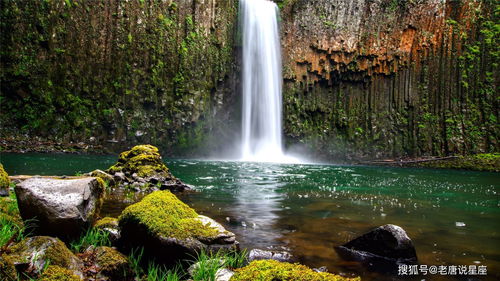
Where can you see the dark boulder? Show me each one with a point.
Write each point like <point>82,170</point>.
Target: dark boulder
<point>384,247</point>
<point>63,208</point>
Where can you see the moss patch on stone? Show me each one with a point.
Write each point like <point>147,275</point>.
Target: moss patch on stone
<point>111,262</point>
<point>479,162</point>
<point>9,211</point>
<point>144,160</point>
<point>271,270</point>
<point>7,268</point>
<point>164,214</point>
<point>57,273</point>
<point>4,178</point>
<point>47,248</point>
<point>106,222</point>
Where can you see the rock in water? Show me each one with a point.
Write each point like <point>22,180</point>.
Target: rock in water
<point>257,254</point>
<point>142,169</point>
<point>170,230</point>
<point>63,208</point>
<point>384,246</point>
<point>4,182</point>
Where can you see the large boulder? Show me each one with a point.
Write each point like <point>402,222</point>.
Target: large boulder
<point>4,182</point>
<point>170,230</point>
<point>33,254</point>
<point>62,208</point>
<point>142,169</point>
<point>385,246</point>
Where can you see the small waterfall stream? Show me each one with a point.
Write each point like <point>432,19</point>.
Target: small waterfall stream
<point>262,79</point>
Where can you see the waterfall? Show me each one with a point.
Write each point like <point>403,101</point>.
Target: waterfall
<point>262,79</point>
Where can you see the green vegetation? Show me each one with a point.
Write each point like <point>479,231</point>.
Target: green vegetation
<point>93,237</point>
<point>479,162</point>
<point>269,270</point>
<point>163,214</point>
<point>154,272</point>
<point>12,227</point>
<point>207,264</point>
<point>57,273</point>
<point>4,178</point>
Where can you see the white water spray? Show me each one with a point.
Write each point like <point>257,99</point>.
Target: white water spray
<point>261,122</point>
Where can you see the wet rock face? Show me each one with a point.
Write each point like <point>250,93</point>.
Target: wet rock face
<point>387,246</point>
<point>169,230</point>
<point>142,169</point>
<point>60,207</point>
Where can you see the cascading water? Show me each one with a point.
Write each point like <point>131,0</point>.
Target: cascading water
<point>261,122</point>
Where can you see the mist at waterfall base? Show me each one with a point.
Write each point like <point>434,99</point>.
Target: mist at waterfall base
<point>261,139</point>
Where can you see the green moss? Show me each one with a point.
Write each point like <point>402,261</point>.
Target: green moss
<point>163,214</point>
<point>271,270</point>
<point>9,210</point>
<point>111,262</point>
<point>57,273</point>
<point>145,160</point>
<point>7,268</point>
<point>4,178</point>
<point>106,222</point>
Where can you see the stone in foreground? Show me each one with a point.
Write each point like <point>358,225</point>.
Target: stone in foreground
<point>269,270</point>
<point>63,208</point>
<point>35,253</point>
<point>170,230</point>
<point>385,246</point>
<point>142,169</point>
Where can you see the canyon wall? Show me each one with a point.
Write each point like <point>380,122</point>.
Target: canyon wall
<point>118,72</point>
<point>391,78</point>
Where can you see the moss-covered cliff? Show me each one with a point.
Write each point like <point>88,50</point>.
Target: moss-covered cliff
<point>389,78</point>
<point>116,72</point>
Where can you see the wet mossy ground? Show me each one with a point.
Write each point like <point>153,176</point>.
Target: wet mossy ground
<point>57,273</point>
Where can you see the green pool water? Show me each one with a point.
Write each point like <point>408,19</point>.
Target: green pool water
<point>309,209</point>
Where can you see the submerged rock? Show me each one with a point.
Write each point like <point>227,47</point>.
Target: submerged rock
<point>35,253</point>
<point>385,246</point>
<point>170,230</point>
<point>257,254</point>
<point>142,169</point>
<point>4,182</point>
<point>63,208</point>
<point>269,270</point>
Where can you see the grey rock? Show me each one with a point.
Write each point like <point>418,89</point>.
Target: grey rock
<point>60,208</point>
<point>257,254</point>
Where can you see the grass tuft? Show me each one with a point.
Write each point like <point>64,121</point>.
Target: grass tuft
<point>93,237</point>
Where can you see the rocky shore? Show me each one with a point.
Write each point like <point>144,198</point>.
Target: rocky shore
<point>52,230</point>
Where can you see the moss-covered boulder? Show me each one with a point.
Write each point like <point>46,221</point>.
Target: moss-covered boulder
<point>271,270</point>
<point>110,264</point>
<point>170,230</point>
<point>35,252</point>
<point>4,182</point>
<point>142,169</point>
<point>7,268</point>
<point>63,208</point>
<point>57,273</point>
